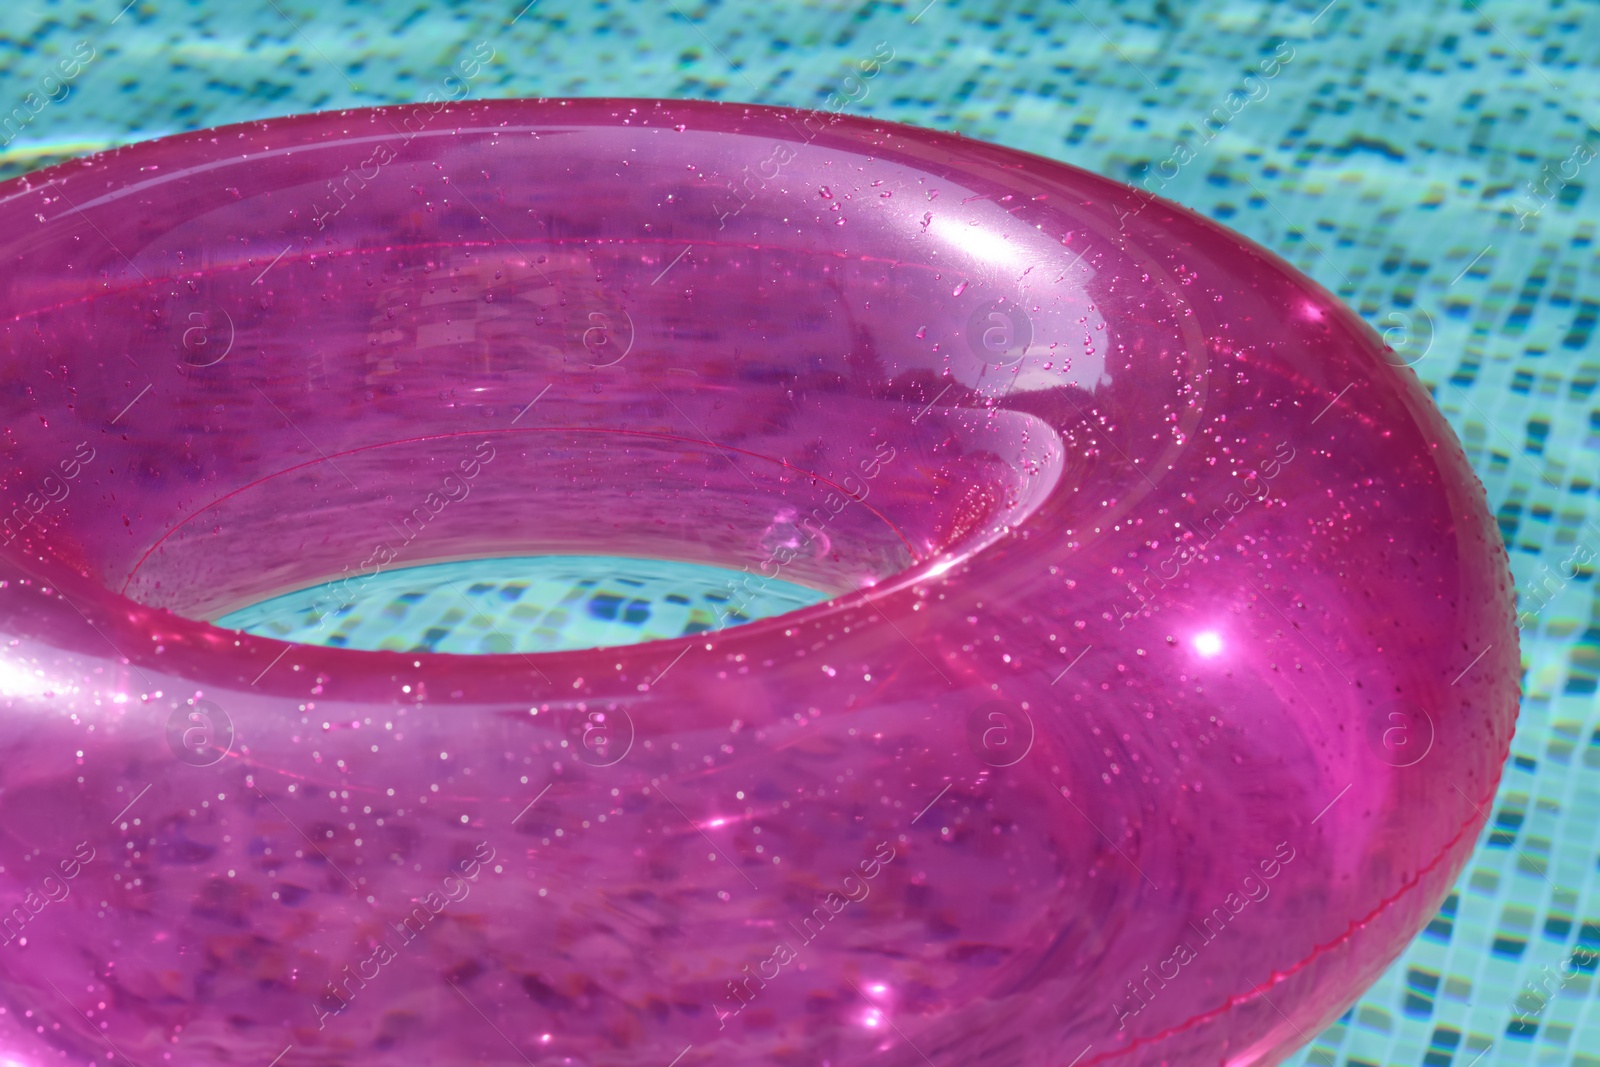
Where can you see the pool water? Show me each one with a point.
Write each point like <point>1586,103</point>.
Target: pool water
<point>522,604</point>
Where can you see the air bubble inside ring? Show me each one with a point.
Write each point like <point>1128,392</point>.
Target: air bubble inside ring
<point>1140,720</point>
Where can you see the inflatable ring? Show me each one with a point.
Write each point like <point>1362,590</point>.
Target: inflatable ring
<point>1164,677</point>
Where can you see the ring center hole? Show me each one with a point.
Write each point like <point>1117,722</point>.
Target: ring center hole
<point>522,604</point>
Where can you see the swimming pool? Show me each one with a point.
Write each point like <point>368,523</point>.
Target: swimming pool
<point>1426,162</point>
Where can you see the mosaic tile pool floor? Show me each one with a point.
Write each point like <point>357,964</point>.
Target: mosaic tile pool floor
<point>1427,161</point>
<point>528,604</point>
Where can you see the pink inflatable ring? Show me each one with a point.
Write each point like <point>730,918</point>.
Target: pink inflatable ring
<point>1166,679</point>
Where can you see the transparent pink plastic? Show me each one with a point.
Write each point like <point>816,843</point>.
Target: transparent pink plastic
<point>1168,675</point>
